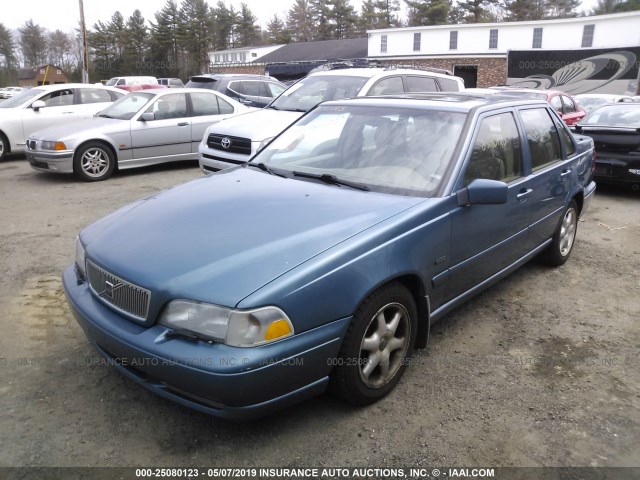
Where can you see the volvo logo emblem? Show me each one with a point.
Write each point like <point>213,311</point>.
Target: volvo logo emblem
<point>225,142</point>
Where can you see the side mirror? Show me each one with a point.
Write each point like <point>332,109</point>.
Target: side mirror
<point>37,105</point>
<point>483,192</point>
<point>148,117</point>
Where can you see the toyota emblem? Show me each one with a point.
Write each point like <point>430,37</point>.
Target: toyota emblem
<point>225,142</point>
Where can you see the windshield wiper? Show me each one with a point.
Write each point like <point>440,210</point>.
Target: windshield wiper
<point>264,168</point>
<point>331,179</point>
<point>103,115</point>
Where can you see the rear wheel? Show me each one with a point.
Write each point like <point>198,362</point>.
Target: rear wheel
<point>93,162</point>
<point>4,146</point>
<point>564,238</point>
<point>376,347</point>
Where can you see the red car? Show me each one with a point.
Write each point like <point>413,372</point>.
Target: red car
<point>562,102</point>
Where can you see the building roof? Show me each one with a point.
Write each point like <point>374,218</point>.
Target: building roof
<point>295,60</point>
<point>320,50</point>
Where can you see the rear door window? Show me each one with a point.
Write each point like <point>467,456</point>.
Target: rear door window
<point>542,137</point>
<point>417,84</point>
<point>94,95</point>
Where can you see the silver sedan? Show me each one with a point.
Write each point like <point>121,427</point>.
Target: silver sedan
<point>143,128</point>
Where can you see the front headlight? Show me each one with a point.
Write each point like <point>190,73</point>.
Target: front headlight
<point>80,259</point>
<point>237,328</point>
<point>55,146</point>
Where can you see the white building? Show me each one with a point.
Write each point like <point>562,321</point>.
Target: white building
<point>478,52</point>
<point>240,55</point>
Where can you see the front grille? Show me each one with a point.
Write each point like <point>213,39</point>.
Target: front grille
<point>229,144</point>
<point>31,144</point>
<point>125,297</point>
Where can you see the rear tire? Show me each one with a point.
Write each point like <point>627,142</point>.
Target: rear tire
<point>377,345</point>
<point>94,162</point>
<point>564,238</point>
<point>4,146</point>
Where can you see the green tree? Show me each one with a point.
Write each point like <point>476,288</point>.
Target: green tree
<point>343,19</point>
<point>164,49</point>
<point>300,21</point>
<point>368,18</point>
<point>561,8</point>
<point>387,12</point>
<point>33,44</point>
<point>522,10</point>
<point>247,31</point>
<point>428,12</point>
<point>321,16</point>
<point>224,22</point>
<point>136,45</point>
<point>277,32</point>
<point>476,11</point>
<point>7,47</point>
<point>193,35</point>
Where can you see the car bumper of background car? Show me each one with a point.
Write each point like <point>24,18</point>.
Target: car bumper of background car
<point>59,162</point>
<point>211,160</point>
<point>617,171</point>
<point>215,379</point>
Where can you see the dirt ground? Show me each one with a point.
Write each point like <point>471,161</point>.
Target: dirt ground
<point>541,369</point>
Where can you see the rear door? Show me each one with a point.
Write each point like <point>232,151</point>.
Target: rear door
<point>207,109</point>
<point>489,238</point>
<point>548,159</point>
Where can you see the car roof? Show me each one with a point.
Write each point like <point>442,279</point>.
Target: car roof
<point>507,88</point>
<point>248,76</point>
<point>75,85</point>
<point>452,101</point>
<point>371,72</point>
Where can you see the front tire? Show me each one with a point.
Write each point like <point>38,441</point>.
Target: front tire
<point>94,162</point>
<point>376,347</point>
<point>564,238</point>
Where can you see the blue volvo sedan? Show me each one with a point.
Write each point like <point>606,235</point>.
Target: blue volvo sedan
<point>324,261</point>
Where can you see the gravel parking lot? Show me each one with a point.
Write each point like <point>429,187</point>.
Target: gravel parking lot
<point>542,369</point>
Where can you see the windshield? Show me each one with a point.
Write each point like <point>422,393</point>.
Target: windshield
<point>112,82</point>
<point>619,115</point>
<point>20,98</point>
<point>126,107</point>
<point>310,91</point>
<point>393,150</point>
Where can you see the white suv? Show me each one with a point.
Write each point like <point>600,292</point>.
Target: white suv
<point>235,140</point>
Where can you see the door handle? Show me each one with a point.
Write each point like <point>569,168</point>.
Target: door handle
<point>565,174</point>
<point>183,124</point>
<point>523,194</point>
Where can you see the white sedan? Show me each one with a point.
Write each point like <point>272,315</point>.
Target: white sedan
<point>145,127</point>
<point>40,107</point>
<point>9,92</point>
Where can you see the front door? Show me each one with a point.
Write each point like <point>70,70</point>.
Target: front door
<point>168,134</point>
<point>489,238</point>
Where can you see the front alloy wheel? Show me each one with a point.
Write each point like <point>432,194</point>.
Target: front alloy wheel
<point>376,347</point>
<point>94,162</point>
<point>384,345</point>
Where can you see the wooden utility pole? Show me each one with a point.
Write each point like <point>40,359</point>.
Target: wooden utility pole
<point>85,49</point>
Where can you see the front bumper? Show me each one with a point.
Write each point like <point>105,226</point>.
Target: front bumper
<point>214,378</point>
<point>59,162</point>
<point>211,160</point>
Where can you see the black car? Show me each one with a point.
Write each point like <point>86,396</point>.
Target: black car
<point>615,129</point>
<point>250,90</point>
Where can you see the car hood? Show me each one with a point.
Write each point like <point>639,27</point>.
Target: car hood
<point>220,238</point>
<point>88,126</point>
<point>257,125</point>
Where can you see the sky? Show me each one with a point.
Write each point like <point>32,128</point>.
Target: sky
<point>64,14</point>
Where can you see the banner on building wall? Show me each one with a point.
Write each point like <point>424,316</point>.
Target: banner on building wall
<point>605,70</point>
